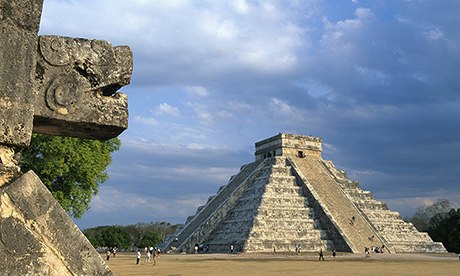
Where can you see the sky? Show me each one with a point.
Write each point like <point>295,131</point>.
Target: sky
<point>378,81</point>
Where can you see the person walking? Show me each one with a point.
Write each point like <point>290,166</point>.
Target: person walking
<point>138,257</point>
<point>321,256</point>
<point>154,256</point>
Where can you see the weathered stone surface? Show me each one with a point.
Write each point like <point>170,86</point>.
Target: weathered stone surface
<point>76,83</point>
<point>37,237</point>
<point>8,165</point>
<point>19,21</point>
<point>291,196</point>
<point>59,86</point>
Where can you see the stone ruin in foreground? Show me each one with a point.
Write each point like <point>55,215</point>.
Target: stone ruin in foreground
<point>58,86</point>
<point>290,196</point>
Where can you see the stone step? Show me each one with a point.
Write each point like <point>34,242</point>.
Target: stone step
<point>241,215</point>
<point>286,234</point>
<point>283,185</point>
<point>386,227</point>
<point>284,213</point>
<point>381,214</point>
<point>281,170</point>
<point>375,205</point>
<point>282,180</point>
<point>284,191</point>
<point>281,224</point>
<point>429,247</point>
<point>412,236</point>
<point>284,201</point>
<point>288,246</point>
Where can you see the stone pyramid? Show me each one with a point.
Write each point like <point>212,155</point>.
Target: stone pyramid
<point>291,196</point>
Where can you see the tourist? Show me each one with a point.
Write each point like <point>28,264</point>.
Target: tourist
<point>138,257</point>
<point>114,251</point>
<point>231,248</point>
<point>298,248</point>
<point>108,254</point>
<point>321,257</point>
<point>158,250</point>
<point>147,257</point>
<point>352,220</point>
<point>196,249</point>
<point>367,252</point>
<point>154,256</point>
<point>334,253</point>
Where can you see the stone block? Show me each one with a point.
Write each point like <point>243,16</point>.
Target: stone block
<point>37,237</point>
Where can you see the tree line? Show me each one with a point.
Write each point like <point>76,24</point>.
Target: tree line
<point>129,237</point>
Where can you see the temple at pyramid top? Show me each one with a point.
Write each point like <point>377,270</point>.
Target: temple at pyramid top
<point>289,197</point>
<point>285,144</point>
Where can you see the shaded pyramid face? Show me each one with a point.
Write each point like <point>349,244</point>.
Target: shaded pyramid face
<point>290,196</point>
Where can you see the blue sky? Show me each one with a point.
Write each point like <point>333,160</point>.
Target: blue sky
<point>377,80</point>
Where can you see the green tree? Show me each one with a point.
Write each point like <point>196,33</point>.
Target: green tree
<point>422,217</point>
<point>445,228</point>
<point>137,235</point>
<point>108,236</point>
<point>150,238</point>
<point>71,168</point>
<point>114,236</point>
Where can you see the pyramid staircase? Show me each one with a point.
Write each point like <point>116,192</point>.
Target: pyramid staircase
<point>340,210</point>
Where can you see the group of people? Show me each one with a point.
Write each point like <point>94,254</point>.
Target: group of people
<point>151,254</point>
<point>112,251</point>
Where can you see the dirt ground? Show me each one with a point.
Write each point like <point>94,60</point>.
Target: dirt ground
<point>287,264</point>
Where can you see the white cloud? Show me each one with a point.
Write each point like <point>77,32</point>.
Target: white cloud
<point>206,38</point>
<point>197,91</point>
<point>202,113</point>
<point>241,6</point>
<point>282,107</point>
<point>435,34</point>
<point>145,207</point>
<point>145,120</point>
<point>167,109</point>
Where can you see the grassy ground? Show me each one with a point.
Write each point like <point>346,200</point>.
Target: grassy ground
<point>287,264</point>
